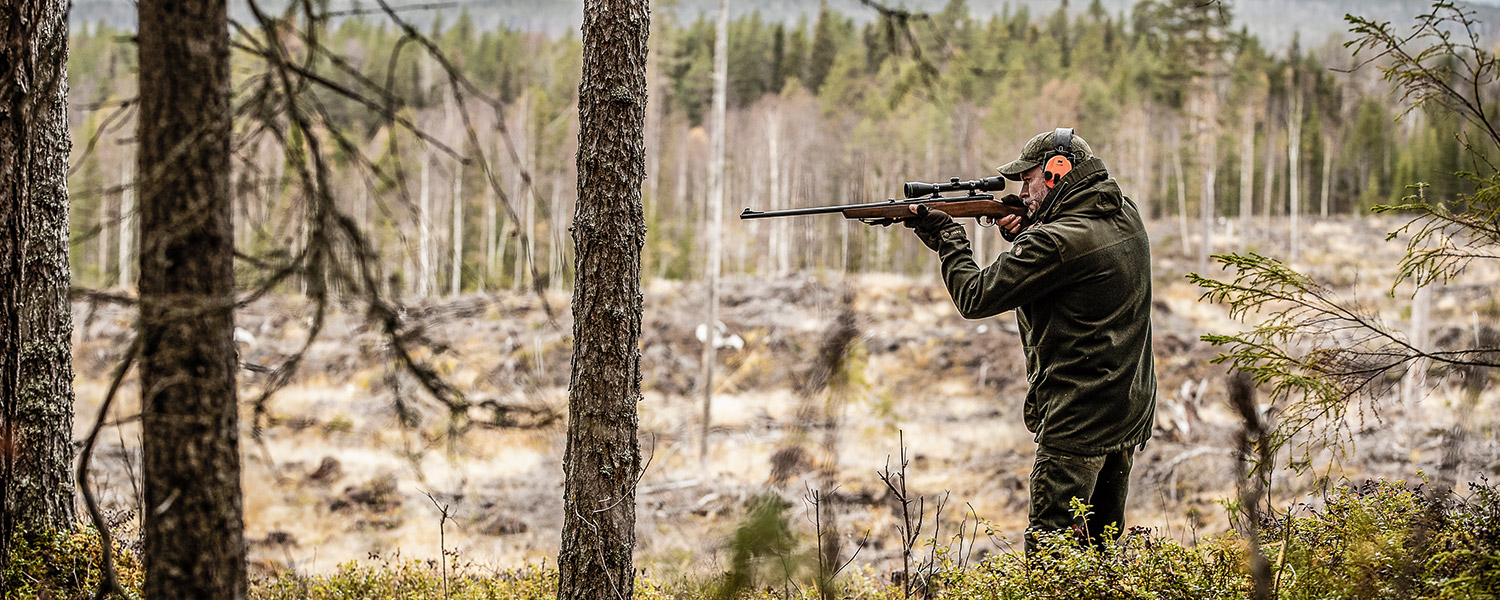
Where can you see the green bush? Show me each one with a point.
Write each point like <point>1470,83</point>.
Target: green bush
<point>1384,540</point>
<point>1377,540</point>
<point>1139,566</point>
<point>65,565</point>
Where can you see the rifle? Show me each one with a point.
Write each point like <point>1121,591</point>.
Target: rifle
<point>974,204</point>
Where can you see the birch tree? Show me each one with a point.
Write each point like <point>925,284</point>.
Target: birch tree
<point>1294,162</point>
<point>715,218</point>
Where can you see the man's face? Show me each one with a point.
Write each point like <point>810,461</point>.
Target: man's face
<point>1033,189</point>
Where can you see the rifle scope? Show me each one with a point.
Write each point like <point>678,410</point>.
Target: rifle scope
<point>917,189</point>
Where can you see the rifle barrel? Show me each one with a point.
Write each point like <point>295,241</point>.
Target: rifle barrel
<point>823,210</point>
<point>813,210</point>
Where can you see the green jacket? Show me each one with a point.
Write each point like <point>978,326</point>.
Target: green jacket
<point>1080,283</point>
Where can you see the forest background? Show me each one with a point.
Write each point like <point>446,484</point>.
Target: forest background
<point>822,111</point>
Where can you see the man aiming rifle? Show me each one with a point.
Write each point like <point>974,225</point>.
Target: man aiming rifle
<point>1079,278</point>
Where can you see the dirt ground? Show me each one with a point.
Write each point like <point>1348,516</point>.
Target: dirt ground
<point>334,474</point>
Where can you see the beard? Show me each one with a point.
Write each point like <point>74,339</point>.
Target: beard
<point>1035,193</point>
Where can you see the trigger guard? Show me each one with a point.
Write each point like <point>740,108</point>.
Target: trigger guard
<point>985,221</point>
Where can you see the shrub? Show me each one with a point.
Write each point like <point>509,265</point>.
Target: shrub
<point>65,565</point>
<point>1379,539</point>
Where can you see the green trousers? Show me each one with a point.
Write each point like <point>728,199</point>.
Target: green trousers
<point>1101,482</point>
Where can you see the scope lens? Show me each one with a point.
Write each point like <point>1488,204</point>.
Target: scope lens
<point>915,189</point>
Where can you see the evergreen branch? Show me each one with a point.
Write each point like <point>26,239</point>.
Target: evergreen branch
<point>1318,354</point>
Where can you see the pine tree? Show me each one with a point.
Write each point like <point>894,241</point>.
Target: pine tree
<point>36,377</point>
<point>602,460</point>
<point>194,532</point>
<point>824,49</point>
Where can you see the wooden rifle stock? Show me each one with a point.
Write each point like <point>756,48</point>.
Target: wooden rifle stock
<point>895,211</point>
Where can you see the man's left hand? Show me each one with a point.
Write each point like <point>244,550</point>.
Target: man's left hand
<point>928,224</point>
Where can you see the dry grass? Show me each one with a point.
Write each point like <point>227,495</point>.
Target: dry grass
<point>954,387</point>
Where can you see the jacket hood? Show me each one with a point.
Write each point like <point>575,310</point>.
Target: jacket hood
<point>1077,194</point>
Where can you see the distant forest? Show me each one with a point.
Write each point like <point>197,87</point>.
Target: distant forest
<point>1202,124</point>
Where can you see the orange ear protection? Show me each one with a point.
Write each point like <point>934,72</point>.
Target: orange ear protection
<point>1061,161</point>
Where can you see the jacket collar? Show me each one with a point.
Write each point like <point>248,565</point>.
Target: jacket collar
<point>1064,197</point>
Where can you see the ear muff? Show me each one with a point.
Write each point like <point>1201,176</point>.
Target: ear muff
<point>1056,168</point>
<point>1061,162</point>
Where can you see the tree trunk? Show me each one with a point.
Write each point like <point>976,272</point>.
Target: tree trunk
<point>1268,188</point>
<point>1148,198</point>
<point>1327,174</point>
<point>193,524</point>
<point>518,191</point>
<point>1415,380</point>
<point>773,162</point>
<point>127,233</point>
<point>424,228</point>
<point>679,198</point>
<point>525,242</point>
<point>107,221</point>
<point>455,282</point>
<point>1293,171</point>
<point>1182,208</point>
<point>527,258</point>
<point>602,459</point>
<point>715,217</point>
<point>36,375</point>
<point>1207,203</point>
<point>491,235</point>
<point>555,252</point>
<point>1247,176</point>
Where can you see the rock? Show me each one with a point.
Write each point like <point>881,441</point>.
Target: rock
<point>378,495</point>
<point>504,524</point>
<point>279,538</point>
<point>328,471</point>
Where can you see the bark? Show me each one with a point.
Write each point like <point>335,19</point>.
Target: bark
<point>602,460</point>
<point>193,524</point>
<point>715,218</point>
<point>36,377</point>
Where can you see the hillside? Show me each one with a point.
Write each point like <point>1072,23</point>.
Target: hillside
<point>337,478</point>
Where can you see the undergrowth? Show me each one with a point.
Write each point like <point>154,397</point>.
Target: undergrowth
<point>1376,540</point>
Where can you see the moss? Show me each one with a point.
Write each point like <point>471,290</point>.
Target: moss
<point>65,565</point>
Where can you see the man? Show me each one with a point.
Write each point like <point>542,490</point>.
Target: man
<point>1079,278</point>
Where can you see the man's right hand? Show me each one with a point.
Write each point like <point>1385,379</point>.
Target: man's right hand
<point>1012,223</point>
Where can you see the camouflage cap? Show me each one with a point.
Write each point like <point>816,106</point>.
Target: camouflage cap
<point>1037,150</point>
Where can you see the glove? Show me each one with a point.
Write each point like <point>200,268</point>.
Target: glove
<point>929,224</point>
<point>1014,200</point>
